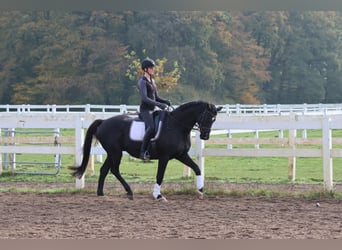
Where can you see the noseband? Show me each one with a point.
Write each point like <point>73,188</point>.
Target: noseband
<point>201,119</point>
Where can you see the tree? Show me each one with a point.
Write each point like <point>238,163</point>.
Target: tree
<point>77,60</point>
<point>302,58</point>
<point>244,62</point>
<point>219,56</point>
<point>166,80</point>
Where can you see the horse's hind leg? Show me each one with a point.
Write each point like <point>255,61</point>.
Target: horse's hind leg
<point>115,169</point>
<point>103,173</point>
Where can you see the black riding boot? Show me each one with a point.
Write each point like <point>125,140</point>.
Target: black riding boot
<point>144,154</point>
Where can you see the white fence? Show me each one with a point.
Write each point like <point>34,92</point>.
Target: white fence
<point>324,117</point>
<point>289,147</point>
<point>229,109</point>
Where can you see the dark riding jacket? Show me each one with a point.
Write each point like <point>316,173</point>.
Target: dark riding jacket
<point>149,100</point>
<point>149,95</point>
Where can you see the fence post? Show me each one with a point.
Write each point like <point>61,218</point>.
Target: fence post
<point>199,153</point>
<point>79,138</point>
<point>326,151</point>
<point>192,152</point>
<point>304,133</point>
<point>229,135</point>
<point>256,136</point>
<point>186,171</point>
<point>12,157</point>
<point>292,159</point>
<point>123,109</point>
<point>56,134</point>
<point>91,165</point>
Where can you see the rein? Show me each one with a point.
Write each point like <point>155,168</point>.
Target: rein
<point>196,126</point>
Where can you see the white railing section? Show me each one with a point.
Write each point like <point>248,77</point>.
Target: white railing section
<point>327,120</point>
<point>326,148</point>
<point>273,109</point>
<point>69,109</point>
<point>229,109</point>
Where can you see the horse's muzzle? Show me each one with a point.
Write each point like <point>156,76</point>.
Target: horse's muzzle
<point>204,136</point>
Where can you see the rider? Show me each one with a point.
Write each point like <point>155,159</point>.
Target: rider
<point>149,101</point>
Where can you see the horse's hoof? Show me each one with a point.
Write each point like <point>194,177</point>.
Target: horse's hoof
<point>200,194</point>
<point>160,198</point>
<point>100,194</point>
<point>130,196</point>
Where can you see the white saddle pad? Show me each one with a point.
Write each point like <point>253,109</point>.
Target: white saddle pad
<point>137,131</point>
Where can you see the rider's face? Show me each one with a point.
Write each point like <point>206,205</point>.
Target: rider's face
<point>150,70</point>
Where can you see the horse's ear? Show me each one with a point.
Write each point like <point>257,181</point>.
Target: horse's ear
<point>219,108</point>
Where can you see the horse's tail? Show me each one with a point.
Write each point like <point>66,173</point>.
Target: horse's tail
<point>78,171</point>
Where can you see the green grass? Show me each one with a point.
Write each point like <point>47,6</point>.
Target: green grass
<point>267,170</point>
<point>219,169</point>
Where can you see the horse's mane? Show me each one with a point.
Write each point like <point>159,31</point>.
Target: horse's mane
<point>189,104</point>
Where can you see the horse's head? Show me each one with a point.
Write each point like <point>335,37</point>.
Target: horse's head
<point>206,120</point>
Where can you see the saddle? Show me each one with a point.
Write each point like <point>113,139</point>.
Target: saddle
<point>137,129</point>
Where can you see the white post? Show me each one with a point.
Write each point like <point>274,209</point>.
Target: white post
<point>281,133</point>
<point>99,158</point>
<point>327,159</point>
<point>199,153</point>
<point>292,160</point>
<point>229,146</point>
<point>13,156</point>
<point>57,133</point>
<point>79,138</point>
<point>186,171</point>
<point>123,109</point>
<point>91,165</point>
<point>256,136</point>
<point>304,134</point>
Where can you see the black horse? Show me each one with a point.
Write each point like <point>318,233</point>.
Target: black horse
<point>173,142</point>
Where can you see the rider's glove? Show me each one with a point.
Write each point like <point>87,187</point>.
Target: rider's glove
<point>162,106</point>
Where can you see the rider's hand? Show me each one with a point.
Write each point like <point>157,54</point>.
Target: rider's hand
<point>162,106</point>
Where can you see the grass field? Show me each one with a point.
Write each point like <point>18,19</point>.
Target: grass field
<point>219,169</point>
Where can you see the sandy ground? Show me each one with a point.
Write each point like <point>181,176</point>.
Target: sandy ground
<point>86,216</point>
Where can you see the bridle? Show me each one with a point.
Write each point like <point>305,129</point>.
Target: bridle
<point>204,114</point>
<point>198,125</point>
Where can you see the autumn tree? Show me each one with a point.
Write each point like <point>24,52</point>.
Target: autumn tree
<point>77,57</point>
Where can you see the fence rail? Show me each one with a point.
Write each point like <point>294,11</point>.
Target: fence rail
<point>229,109</point>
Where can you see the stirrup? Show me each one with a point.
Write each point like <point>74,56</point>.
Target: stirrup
<point>145,156</point>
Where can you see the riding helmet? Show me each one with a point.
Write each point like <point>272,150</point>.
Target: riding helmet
<point>147,63</point>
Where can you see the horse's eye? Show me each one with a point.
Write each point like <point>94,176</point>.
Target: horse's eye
<point>213,119</point>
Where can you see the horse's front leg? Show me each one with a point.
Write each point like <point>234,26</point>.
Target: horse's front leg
<point>186,159</point>
<point>162,163</point>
